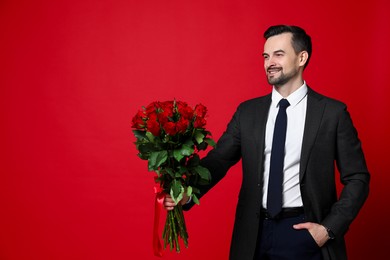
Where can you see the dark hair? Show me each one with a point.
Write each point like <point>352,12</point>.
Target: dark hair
<point>300,40</point>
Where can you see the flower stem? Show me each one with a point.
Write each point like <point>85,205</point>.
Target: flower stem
<point>175,227</point>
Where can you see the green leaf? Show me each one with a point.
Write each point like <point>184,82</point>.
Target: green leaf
<point>195,190</point>
<point>150,136</point>
<point>187,150</point>
<point>181,170</point>
<point>140,135</point>
<point>203,172</point>
<point>189,143</point>
<point>170,172</point>
<point>193,161</point>
<point>195,199</point>
<point>178,155</point>
<point>199,137</point>
<point>202,146</point>
<point>183,151</point>
<point>210,142</point>
<point>189,191</point>
<point>156,159</point>
<point>176,191</point>
<point>146,148</point>
<point>143,156</point>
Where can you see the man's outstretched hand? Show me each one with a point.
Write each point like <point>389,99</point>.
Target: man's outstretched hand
<point>169,204</point>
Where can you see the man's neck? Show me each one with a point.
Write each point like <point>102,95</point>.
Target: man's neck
<point>286,89</point>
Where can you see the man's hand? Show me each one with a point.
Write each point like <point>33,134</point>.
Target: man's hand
<point>169,204</point>
<point>317,231</point>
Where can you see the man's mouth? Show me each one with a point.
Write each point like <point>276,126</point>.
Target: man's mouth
<point>272,71</point>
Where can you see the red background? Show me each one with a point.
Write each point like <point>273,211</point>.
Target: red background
<point>73,73</point>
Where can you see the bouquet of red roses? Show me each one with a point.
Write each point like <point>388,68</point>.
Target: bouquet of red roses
<point>169,135</point>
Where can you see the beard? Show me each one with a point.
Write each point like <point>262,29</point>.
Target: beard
<point>282,79</point>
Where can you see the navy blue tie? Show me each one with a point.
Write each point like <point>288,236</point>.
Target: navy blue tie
<point>275,183</point>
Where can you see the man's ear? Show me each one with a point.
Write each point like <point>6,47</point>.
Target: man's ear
<point>303,57</point>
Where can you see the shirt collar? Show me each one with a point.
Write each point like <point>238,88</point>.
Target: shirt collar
<point>294,98</point>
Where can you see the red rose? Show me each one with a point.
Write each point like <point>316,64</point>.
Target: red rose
<point>151,108</point>
<point>170,128</point>
<point>166,105</point>
<point>182,125</point>
<point>200,110</point>
<point>185,110</point>
<point>163,117</point>
<point>165,112</point>
<point>138,121</point>
<point>200,113</point>
<point>152,125</point>
<point>199,122</point>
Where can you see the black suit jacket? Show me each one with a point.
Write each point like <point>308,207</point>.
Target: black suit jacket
<point>329,137</point>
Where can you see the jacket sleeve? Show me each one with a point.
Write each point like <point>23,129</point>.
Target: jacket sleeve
<point>354,176</point>
<point>226,153</point>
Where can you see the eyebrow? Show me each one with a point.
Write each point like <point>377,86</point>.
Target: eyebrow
<point>280,50</point>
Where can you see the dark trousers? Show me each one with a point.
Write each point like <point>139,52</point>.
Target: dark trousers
<point>279,240</point>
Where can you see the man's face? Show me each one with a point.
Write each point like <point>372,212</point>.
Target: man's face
<point>281,63</point>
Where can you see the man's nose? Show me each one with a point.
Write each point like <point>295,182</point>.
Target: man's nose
<point>269,62</point>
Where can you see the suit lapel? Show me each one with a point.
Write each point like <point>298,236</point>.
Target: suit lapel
<point>314,112</point>
<point>261,113</point>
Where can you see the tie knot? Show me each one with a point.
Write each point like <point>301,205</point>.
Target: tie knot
<point>283,103</point>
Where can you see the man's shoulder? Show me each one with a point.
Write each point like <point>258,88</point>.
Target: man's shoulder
<point>315,96</point>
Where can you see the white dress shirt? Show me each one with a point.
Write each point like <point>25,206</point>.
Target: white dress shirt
<point>296,115</point>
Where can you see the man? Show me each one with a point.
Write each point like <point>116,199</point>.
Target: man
<point>306,220</point>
